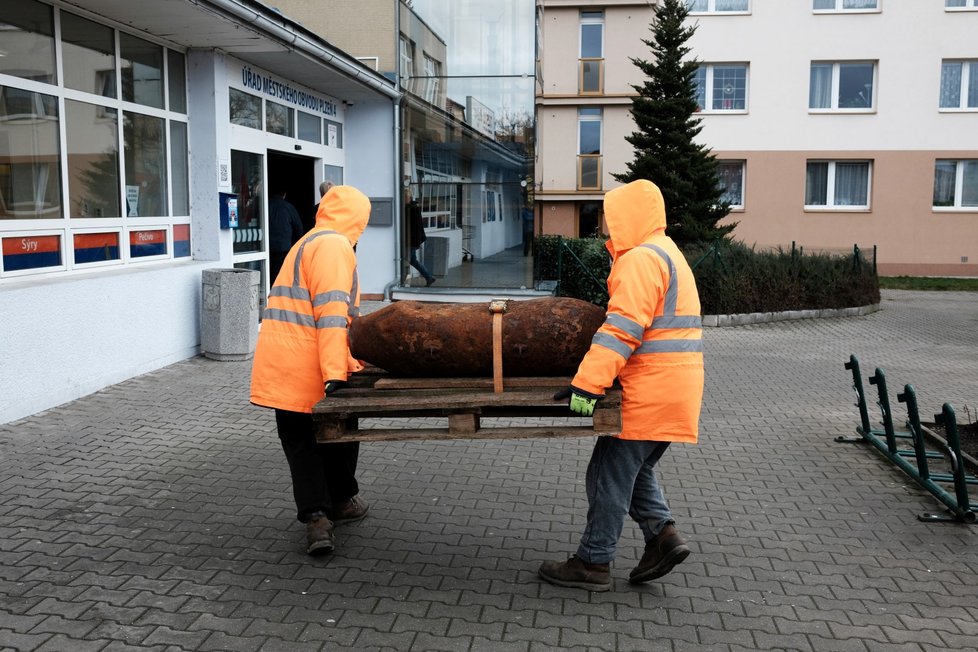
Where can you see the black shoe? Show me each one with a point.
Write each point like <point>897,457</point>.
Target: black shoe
<point>662,554</point>
<point>430,281</point>
<point>319,536</point>
<point>577,573</point>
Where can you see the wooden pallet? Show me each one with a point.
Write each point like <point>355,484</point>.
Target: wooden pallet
<point>460,404</point>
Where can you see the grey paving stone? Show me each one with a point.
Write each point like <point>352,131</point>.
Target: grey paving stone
<point>156,514</point>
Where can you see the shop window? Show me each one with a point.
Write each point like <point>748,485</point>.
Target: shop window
<point>29,252</point>
<point>30,174</point>
<point>96,247</point>
<point>93,160</point>
<point>179,171</point>
<point>147,243</point>
<point>139,166</point>
<point>142,71</point>
<point>177,81</point>
<point>181,240</point>
<point>88,51</point>
<point>247,182</point>
<point>28,36</point>
<point>145,155</point>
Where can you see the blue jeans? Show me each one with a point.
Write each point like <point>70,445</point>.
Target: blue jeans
<point>416,264</point>
<point>621,480</point>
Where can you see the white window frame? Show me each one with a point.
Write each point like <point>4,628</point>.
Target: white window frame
<point>712,10</point>
<point>967,66</point>
<point>958,186</point>
<point>829,204</point>
<point>406,62</point>
<point>970,5</point>
<point>66,227</point>
<point>708,87</point>
<point>743,180</point>
<point>834,104</point>
<point>432,74</point>
<point>840,7</point>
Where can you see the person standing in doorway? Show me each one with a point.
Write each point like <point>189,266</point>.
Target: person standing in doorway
<point>651,341</point>
<point>303,355</point>
<point>284,230</point>
<point>416,236</point>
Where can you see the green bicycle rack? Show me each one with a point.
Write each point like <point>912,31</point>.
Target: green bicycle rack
<point>885,440</point>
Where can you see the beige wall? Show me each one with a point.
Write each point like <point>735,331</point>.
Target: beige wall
<point>909,234</point>
<point>368,26</point>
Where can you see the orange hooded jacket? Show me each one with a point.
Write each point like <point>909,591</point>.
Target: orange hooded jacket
<point>651,339</point>
<point>304,337</point>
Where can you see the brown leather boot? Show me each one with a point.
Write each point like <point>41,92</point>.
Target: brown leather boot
<point>319,535</point>
<point>349,511</point>
<point>577,573</point>
<point>662,554</point>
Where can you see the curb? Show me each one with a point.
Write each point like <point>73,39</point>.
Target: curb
<point>717,321</point>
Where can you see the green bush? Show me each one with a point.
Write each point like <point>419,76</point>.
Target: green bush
<point>732,278</point>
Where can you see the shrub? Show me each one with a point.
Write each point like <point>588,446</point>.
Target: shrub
<point>732,278</point>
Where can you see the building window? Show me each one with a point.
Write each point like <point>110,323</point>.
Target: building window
<point>86,167</point>
<point>334,134</point>
<point>310,127</point>
<point>842,86</point>
<point>28,37</point>
<point>961,4</point>
<point>142,71</point>
<point>730,174</point>
<point>721,87</point>
<point>718,6</point>
<point>245,108</point>
<point>591,64</point>
<point>589,149</point>
<point>88,50</point>
<point>432,78</point>
<point>406,69</point>
<point>959,85</point>
<point>837,184</point>
<point>845,5</point>
<point>279,119</point>
<point>956,184</point>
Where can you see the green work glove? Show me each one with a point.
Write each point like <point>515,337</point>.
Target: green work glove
<point>581,402</point>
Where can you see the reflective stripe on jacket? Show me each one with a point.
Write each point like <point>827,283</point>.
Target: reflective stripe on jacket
<point>651,339</point>
<point>304,336</point>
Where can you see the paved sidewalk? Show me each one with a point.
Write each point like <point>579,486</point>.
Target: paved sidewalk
<point>157,515</point>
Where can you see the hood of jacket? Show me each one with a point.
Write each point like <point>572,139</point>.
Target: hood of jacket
<point>344,209</point>
<point>634,213</point>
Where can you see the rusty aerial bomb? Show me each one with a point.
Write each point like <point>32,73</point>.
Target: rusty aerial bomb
<point>540,337</point>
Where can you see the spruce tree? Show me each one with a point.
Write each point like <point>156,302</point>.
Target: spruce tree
<point>665,117</point>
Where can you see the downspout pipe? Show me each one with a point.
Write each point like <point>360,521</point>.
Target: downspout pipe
<point>398,188</point>
<point>291,34</point>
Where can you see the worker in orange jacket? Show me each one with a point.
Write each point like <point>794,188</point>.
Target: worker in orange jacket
<point>651,341</point>
<point>303,353</point>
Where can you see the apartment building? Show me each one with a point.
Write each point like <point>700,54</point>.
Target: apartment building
<point>836,122</point>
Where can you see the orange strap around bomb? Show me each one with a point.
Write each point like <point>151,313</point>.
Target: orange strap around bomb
<point>497,307</point>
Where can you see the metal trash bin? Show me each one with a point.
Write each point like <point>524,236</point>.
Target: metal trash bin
<point>229,313</point>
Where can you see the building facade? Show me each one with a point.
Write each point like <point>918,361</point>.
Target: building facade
<point>830,130</point>
<point>131,136</point>
<point>465,70</point>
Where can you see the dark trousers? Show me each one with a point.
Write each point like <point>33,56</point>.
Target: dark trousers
<point>323,475</point>
<point>527,243</point>
<point>275,260</point>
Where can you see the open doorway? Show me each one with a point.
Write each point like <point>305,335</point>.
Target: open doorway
<point>296,177</point>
